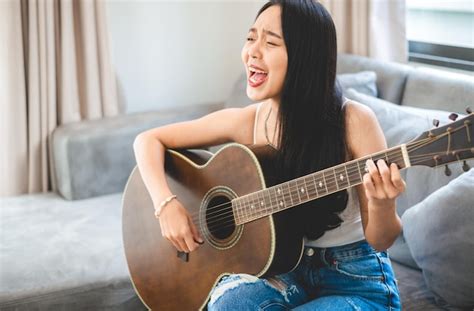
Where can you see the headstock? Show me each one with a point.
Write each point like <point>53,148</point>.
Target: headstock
<point>453,142</point>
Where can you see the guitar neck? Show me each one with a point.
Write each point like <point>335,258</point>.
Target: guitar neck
<point>311,187</point>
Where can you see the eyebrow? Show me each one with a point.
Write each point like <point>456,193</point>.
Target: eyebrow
<point>270,33</point>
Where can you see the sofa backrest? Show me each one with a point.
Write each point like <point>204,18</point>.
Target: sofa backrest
<point>435,89</point>
<point>95,157</point>
<point>391,76</point>
<point>418,87</point>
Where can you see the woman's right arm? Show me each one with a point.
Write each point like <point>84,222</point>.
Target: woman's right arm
<point>233,124</point>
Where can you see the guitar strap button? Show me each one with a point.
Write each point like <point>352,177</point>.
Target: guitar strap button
<point>309,252</point>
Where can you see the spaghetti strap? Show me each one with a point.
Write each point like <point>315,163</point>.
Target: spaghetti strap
<point>255,124</point>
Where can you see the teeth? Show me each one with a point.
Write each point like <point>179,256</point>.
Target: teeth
<point>256,70</point>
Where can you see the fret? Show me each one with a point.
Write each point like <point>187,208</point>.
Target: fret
<point>259,206</point>
<point>312,193</point>
<point>321,182</point>
<point>288,192</point>
<point>272,198</point>
<point>328,183</point>
<point>335,178</point>
<point>252,205</point>
<point>354,173</point>
<point>235,206</point>
<point>397,157</point>
<point>263,203</point>
<point>386,158</point>
<point>267,199</point>
<point>295,197</point>
<point>358,168</point>
<point>313,176</point>
<point>244,208</point>
<point>280,197</point>
<point>341,176</point>
<point>301,188</point>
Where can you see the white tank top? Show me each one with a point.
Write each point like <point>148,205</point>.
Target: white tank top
<point>350,230</point>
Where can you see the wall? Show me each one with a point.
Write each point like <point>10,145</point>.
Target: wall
<point>174,53</point>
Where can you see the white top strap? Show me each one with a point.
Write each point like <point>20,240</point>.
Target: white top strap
<point>255,124</point>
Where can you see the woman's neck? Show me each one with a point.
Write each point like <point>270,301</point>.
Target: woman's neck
<point>274,104</point>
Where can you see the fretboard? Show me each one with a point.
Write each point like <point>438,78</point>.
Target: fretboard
<point>309,187</point>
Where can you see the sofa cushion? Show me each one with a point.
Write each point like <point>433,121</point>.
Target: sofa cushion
<point>363,82</point>
<point>414,294</point>
<point>401,124</point>
<point>439,231</point>
<point>86,155</point>
<point>63,255</point>
<point>430,88</point>
<point>391,77</point>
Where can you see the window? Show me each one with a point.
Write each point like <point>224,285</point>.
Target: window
<point>441,32</point>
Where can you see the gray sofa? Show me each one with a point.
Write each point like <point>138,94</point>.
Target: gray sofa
<point>63,250</point>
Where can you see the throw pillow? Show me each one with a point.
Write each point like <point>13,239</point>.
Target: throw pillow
<point>439,231</point>
<point>363,82</point>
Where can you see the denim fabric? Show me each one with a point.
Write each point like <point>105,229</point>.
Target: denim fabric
<point>348,277</point>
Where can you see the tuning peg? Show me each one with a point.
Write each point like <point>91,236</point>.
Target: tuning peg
<point>447,171</point>
<point>468,110</point>
<point>435,122</point>
<point>465,166</point>
<point>453,116</point>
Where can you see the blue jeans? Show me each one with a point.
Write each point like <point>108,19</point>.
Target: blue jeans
<point>348,277</point>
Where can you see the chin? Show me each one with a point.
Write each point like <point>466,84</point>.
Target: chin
<point>256,96</point>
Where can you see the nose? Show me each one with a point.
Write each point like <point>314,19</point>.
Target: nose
<point>255,50</point>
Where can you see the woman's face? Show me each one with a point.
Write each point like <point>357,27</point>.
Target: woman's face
<point>265,57</point>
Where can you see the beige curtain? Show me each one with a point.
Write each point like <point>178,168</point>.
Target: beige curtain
<point>55,68</point>
<point>373,28</point>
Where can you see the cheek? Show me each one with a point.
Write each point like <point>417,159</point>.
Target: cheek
<point>244,55</point>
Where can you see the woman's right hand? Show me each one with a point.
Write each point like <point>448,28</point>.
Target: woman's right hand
<point>178,227</point>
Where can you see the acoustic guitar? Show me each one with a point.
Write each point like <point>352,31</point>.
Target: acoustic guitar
<point>246,219</point>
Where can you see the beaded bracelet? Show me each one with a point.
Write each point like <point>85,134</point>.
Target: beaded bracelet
<point>163,204</point>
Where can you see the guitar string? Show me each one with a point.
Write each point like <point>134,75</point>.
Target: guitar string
<point>311,189</point>
<point>351,169</point>
<point>229,221</point>
<point>294,189</point>
<point>411,147</point>
<point>426,156</point>
<point>230,211</point>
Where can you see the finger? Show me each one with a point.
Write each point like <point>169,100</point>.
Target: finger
<point>176,244</point>
<point>178,241</point>
<point>196,236</point>
<point>373,171</point>
<point>369,186</point>
<point>376,179</point>
<point>397,180</point>
<point>182,244</point>
<point>190,243</point>
<point>389,188</point>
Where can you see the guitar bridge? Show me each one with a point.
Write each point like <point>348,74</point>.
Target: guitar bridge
<point>183,256</point>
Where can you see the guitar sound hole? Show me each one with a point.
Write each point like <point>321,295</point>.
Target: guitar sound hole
<point>220,217</point>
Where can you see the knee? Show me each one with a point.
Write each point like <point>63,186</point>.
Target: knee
<point>235,292</point>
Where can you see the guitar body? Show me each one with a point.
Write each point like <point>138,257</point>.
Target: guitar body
<point>166,280</point>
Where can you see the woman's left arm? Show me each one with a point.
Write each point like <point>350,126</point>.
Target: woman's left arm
<point>381,185</point>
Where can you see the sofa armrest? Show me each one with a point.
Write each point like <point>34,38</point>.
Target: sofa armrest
<point>95,157</point>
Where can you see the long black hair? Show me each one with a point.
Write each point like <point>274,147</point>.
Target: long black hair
<point>311,114</point>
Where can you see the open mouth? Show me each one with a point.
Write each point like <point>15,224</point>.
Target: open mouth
<point>257,77</point>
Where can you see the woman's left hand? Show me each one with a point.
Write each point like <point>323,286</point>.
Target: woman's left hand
<point>382,184</point>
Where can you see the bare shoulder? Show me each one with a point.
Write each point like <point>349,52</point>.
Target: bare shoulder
<point>363,131</point>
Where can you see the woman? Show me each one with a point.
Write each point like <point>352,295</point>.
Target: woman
<point>290,59</point>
